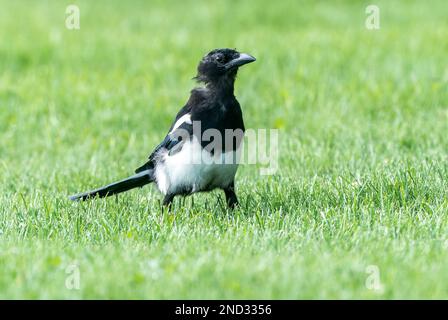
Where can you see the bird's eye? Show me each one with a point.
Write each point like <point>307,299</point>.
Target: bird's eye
<point>219,58</point>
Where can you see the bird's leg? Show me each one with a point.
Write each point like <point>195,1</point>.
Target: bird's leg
<point>231,199</point>
<point>168,200</point>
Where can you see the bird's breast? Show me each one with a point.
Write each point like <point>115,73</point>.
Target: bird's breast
<point>193,169</point>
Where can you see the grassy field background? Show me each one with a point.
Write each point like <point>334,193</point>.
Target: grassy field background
<point>360,196</point>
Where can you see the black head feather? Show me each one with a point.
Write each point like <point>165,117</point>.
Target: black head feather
<point>221,64</point>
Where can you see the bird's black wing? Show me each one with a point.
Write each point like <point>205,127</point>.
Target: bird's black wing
<point>173,142</point>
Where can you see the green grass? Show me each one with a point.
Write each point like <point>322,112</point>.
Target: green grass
<point>363,171</point>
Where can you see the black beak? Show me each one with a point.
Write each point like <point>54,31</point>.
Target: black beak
<point>243,59</point>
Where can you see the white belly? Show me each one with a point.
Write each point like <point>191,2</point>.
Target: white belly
<point>193,169</point>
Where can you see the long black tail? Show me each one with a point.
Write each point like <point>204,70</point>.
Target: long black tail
<point>135,181</point>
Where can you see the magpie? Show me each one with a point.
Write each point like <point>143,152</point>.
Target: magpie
<point>210,108</point>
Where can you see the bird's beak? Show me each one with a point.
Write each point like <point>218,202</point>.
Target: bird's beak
<point>243,59</point>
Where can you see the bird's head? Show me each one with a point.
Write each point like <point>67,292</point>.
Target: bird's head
<point>221,65</point>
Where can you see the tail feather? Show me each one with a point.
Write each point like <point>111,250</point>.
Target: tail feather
<point>135,181</point>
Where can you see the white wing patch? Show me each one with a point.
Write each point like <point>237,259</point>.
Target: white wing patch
<point>186,118</point>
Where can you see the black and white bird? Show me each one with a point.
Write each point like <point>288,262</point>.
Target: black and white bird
<point>184,163</point>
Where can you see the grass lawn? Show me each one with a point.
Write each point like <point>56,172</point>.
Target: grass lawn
<point>357,209</point>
